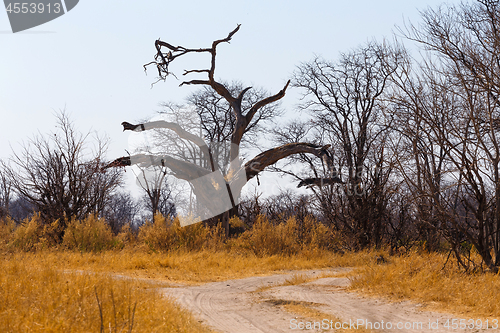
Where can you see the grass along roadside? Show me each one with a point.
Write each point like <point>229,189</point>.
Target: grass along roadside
<point>37,297</point>
<point>65,291</point>
<point>189,267</point>
<point>30,279</point>
<point>421,278</point>
<point>300,278</point>
<point>168,253</point>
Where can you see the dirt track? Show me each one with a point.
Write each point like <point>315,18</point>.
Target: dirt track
<point>234,306</point>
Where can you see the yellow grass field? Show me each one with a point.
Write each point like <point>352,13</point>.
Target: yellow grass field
<point>37,296</point>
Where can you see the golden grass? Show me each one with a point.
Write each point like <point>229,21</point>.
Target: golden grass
<point>92,234</point>
<point>62,291</point>
<point>421,278</point>
<point>189,267</point>
<point>38,297</point>
<point>297,279</point>
<point>166,252</point>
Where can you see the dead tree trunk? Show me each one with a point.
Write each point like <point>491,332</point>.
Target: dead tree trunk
<point>217,191</point>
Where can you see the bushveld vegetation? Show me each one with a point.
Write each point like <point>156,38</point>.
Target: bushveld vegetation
<point>397,151</point>
<point>162,252</point>
<point>400,159</point>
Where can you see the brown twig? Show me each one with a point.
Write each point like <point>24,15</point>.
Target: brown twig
<point>100,310</point>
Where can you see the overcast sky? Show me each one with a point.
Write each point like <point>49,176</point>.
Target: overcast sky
<point>89,61</point>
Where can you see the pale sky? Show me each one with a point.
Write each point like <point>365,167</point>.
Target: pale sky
<point>89,61</point>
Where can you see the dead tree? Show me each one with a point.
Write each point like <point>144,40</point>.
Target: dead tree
<point>457,95</point>
<point>58,175</point>
<point>217,191</point>
<point>347,102</point>
<point>5,190</point>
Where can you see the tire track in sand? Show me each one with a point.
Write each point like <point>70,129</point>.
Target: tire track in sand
<point>236,306</point>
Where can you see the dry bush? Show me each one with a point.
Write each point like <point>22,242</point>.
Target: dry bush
<point>7,227</point>
<point>90,234</point>
<point>216,238</point>
<point>265,239</point>
<point>127,236</point>
<point>34,235</point>
<point>156,235</point>
<point>165,234</point>
<point>191,238</point>
<point>36,297</point>
<point>288,237</point>
<point>317,236</point>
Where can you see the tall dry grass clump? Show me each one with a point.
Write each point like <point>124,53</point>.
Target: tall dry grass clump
<point>287,237</point>
<point>266,239</point>
<point>94,234</point>
<point>90,234</point>
<point>166,234</point>
<point>32,234</point>
<point>317,236</point>
<point>7,227</point>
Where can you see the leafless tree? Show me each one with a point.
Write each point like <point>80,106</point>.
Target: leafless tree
<point>208,114</point>
<point>348,104</point>
<point>219,192</point>
<point>5,191</point>
<point>157,191</point>
<point>121,209</point>
<point>455,93</point>
<point>60,174</point>
<point>218,122</point>
<point>21,209</point>
<point>422,153</point>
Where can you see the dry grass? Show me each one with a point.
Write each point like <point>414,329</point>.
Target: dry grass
<point>266,238</point>
<point>166,252</point>
<point>55,290</point>
<point>189,267</point>
<point>421,278</point>
<point>167,235</point>
<point>37,297</point>
<point>193,254</point>
<point>297,279</point>
<point>91,234</point>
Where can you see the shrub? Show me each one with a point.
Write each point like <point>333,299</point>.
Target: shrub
<point>317,236</point>
<point>127,236</point>
<point>34,235</point>
<point>165,234</point>
<point>7,227</point>
<point>91,234</point>
<point>156,235</point>
<point>268,239</point>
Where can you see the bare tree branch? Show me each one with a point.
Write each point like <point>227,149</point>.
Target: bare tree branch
<point>271,156</point>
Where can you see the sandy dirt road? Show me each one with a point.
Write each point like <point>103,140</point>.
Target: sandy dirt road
<point>243,306</point>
